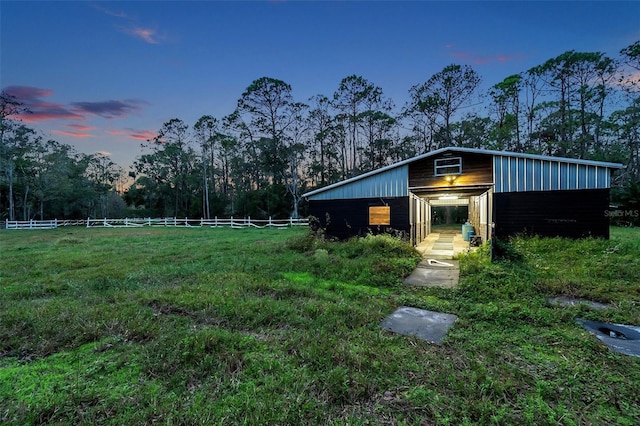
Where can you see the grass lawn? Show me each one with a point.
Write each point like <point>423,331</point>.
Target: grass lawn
<point>225,326</point>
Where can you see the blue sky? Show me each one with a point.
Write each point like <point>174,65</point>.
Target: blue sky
<point>104,76</point>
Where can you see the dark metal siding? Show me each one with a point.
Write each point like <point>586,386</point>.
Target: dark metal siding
<point>347,218</point>
<point>568,213</point>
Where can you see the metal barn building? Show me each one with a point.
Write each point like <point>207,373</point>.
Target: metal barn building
<point>518,193</point>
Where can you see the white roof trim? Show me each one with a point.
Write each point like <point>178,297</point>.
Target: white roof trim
<point>470,150</point>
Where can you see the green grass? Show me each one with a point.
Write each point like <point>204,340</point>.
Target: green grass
<point>222,326</point>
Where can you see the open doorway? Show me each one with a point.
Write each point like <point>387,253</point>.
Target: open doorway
<point>448,219</point>
<point>440,211</point>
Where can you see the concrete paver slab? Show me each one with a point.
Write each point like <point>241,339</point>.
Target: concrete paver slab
<point>441,253</point>
<point>443,246</point>
<point>426,325</point>
<point>435,273</point>
<point>431,278</point>
<point>446,239</point>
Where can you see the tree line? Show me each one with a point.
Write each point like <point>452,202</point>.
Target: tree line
<point>46,179</point>
<point>259,160</point>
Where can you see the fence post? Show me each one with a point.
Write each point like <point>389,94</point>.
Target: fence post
<point>231,222</point>
<point>290,221</point>
<point>215,222</point>
<point>249,221</point>
<point>55,222</point>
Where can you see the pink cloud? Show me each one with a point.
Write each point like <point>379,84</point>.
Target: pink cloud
<point>117,132</point>
<point>110,12</point>
<point>142,135</point>
<point>39,109</point>
<point>72,133</point>
<point>81,128</point>
<point>107,109</point>
<point>131,26</point>
<point>78,131</point>
<point>27,93</point>
<point>146,34</point>
<point>48,111</point>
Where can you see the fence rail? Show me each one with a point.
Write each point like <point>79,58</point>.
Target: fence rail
<point>166,221</point>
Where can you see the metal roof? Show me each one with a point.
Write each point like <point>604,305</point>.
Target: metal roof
<point>469,150</point>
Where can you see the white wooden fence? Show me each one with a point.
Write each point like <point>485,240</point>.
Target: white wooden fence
<point>31,224</point>
<point>167,221</point>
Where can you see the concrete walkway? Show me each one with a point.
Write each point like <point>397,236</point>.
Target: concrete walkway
<point>442,245</point>
<point>437,268</point>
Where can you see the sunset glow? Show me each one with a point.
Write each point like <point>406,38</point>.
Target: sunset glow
<point>141,64</point>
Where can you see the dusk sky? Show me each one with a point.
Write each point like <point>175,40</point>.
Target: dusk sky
<point>104,76</point>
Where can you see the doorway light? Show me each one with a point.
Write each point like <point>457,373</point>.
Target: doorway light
<point>448,197</point>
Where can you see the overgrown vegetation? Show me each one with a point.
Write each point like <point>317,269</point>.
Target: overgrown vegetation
<point>212,326</point>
